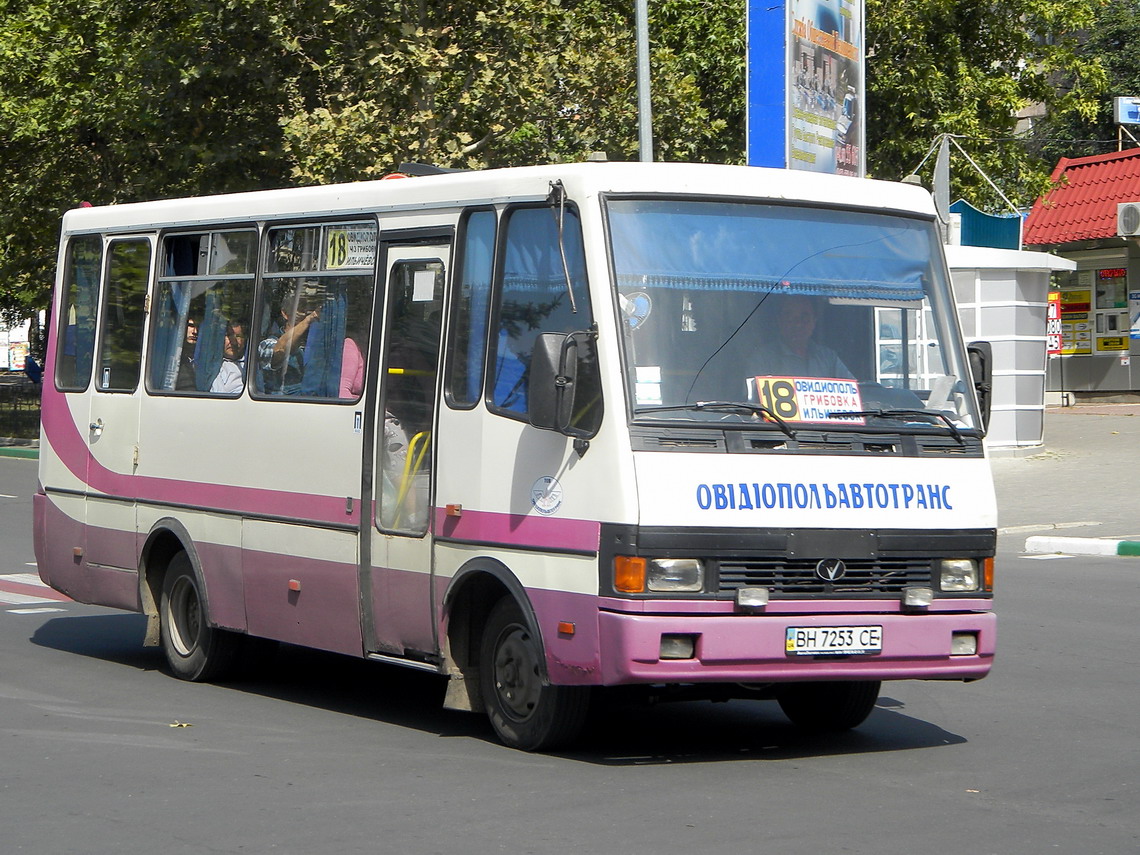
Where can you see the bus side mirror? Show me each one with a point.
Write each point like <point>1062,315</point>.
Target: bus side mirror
<point>564,390</point>
<point>981,356</point>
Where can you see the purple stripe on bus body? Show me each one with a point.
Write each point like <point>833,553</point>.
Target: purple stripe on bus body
<point>509,529</point>
<point>520,530</point>
<point>72,449</point>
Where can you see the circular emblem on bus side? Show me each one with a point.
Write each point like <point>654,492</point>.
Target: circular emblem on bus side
<point>546,495</point>
<point>830,569</point>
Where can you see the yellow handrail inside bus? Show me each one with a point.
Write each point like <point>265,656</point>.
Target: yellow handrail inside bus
<point>417,450</point>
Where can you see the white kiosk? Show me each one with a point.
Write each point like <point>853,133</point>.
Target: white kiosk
<point>1002,298</point>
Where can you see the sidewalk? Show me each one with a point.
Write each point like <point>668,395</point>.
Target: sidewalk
<point>1076,494</point>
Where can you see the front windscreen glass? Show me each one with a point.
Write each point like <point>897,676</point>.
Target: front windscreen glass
<point>785,315</point>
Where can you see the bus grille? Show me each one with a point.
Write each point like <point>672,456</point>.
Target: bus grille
<point>883,577</point>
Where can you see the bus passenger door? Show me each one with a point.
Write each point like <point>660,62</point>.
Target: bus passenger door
<point>397,579</point>
<point>112,428</point>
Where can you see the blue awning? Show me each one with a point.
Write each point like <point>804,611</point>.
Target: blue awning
<point>722,246</point>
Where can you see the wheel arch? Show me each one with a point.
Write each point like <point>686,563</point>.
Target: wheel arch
<point>166,538</point>
<point>471,595</point>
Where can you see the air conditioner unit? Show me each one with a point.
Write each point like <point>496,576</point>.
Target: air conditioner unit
<point>1128,219</point>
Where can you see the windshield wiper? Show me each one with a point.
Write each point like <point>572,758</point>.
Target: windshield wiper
<point>725,407</point>
<point>901,413</point>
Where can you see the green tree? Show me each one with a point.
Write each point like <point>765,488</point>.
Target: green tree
<point>105,101</point>
<point>706,41</point>
<point>1114,41</point>
<point>472,83</point>
<point>109,101</point>
<point>966,67</point>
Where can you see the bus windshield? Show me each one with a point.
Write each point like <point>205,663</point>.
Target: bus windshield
<point>780,315</point>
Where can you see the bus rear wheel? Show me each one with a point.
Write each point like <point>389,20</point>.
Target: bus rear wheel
<point>194,650</point>
<point>525,712</point>
<point>829,707</point>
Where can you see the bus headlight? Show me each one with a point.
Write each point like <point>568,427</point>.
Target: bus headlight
<point>958,574</point>
<point>681,575</point>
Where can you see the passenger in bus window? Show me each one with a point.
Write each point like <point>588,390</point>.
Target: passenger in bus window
<point>186,367</point>
<point>281,354</point>
<point>792,350</point>
<point>352,359</point>
<point>231,374</point>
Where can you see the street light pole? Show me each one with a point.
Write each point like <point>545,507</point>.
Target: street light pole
<point>644,107</point>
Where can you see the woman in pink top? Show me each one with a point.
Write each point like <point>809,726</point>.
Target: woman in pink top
<point>351,369</point>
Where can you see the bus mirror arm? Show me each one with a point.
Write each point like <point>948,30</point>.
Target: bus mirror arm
<point>557,200</point>
<point>564,387</point>
<point>981,357</point>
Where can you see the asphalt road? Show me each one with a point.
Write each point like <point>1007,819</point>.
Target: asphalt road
<point>103,752</point>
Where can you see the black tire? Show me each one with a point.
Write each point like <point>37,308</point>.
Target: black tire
<point>194,650</point>
<point>828,707</point>
<point>525,712</point>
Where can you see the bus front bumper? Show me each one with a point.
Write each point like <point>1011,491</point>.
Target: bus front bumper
<point>754,648</point>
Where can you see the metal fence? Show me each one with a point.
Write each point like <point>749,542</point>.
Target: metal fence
<point>19,410</point>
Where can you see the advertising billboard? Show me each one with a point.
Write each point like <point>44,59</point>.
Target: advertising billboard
<point>806,86</point>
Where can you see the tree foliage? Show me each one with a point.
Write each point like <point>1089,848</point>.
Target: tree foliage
<point>106,101</point>
<point>110,101</point>
<point>1115,43</point>
<point>472,83</point>
<point>967,67</point>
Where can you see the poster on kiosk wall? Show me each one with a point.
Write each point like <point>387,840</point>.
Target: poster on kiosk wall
<point>824,82</point>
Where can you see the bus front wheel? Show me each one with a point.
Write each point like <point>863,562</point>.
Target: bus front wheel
<point>525,712</point>
<point>829,707</point>
<point>194,650</point>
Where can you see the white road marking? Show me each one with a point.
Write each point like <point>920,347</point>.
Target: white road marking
<point>24,579</point>
<point>23,599</point>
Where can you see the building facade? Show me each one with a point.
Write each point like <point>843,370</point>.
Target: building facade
<point>1097,304</point>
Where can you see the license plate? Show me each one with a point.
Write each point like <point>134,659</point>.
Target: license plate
<point>833,640</point>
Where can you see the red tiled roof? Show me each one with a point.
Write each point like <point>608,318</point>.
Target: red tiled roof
<point>1082,203</point>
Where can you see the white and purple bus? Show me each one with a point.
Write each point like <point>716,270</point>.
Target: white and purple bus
<point>704,430</point>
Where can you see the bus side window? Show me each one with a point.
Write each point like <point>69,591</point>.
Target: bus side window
<point>200,313</point>
<point>471,302</point>
<point>120,344</point>
<point>312,339</point>
<point>533,297</point>
<point>80,309</point>
<point>312,326</point>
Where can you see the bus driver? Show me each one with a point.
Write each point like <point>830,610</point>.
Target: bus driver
<point>791,352</point>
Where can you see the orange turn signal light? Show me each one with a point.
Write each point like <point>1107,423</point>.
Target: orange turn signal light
<point>988,574</point>
<point>629,574</point>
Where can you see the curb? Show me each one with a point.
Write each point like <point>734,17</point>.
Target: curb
<point>15,451</point>
<point>1083,546</point>
<point>29,449</point>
